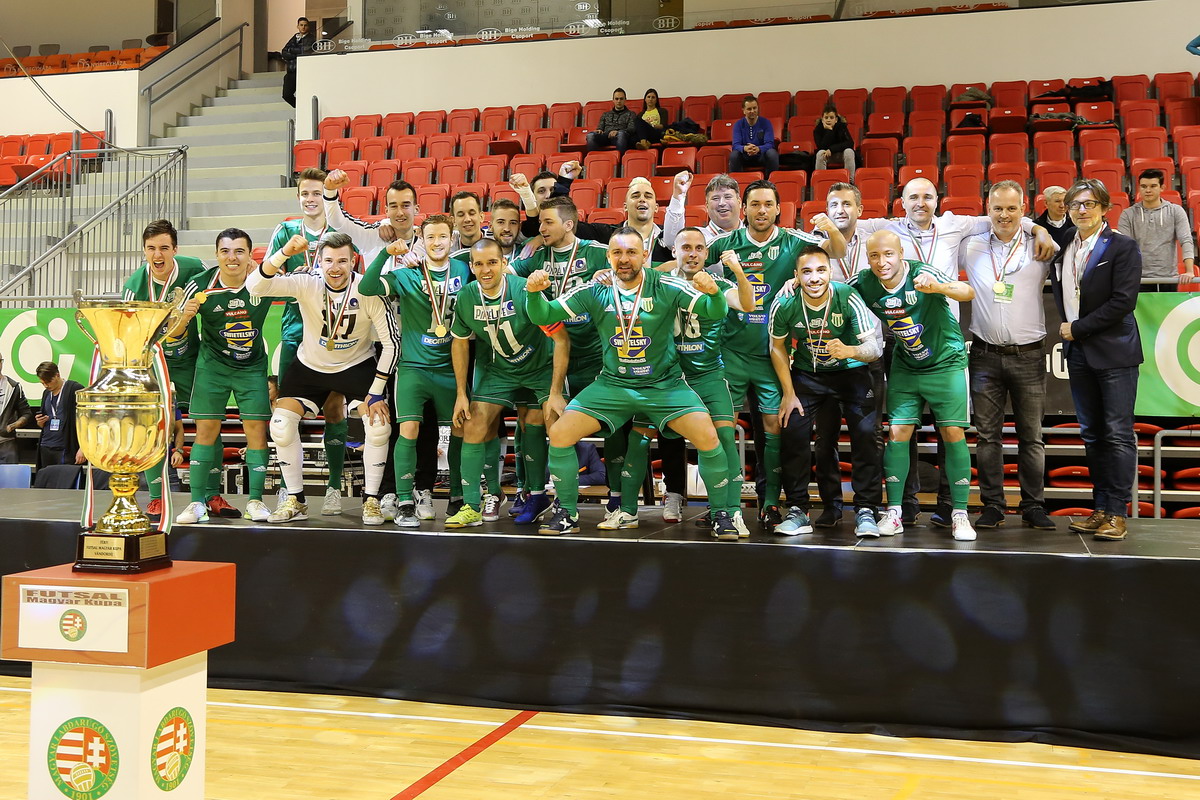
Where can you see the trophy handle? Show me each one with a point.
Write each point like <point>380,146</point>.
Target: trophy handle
<point>79,320</point>
<point>176,301</point>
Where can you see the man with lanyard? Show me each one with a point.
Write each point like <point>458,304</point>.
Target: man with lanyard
<point>232,359</point>
<point>929,366</point>
<point>525,364</point>
<point>570,262</point>
<point>426,300</point>
<point>1008,356</point>
<point>312,225</point>
<point>698,347</point>
<point>641,374</point>
<point>768,255</point>
<point>835,340</point>
<point>336,357</point>
<point>160,274</point>
<point>935,241</point>
<point>722,201</point>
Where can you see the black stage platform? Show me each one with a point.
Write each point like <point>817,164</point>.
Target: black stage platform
<point>1020,635</point>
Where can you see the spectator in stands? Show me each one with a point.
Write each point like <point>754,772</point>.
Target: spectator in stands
<point>1156,225</point>
<point>1096,280</point>
<point>753,141</point>
<point>14,413</point>
<point>616,126</point>
<point>591,465</point>
<point>56,417</point>
<point>1008,355</point>
<point>833,140</point>
<point>543,186</point>
<point>467,212</point>
<point>301,43</point>
<point>1193,46</point>
<point>1054,219</point>
<point>648,128</point>
<point>722,201</point>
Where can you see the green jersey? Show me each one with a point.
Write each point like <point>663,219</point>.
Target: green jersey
<point>569,268</point>
<point>768,265</point>
<point>517,346</point>
<point>844,316</point>
<point>928,338</point>
<point>637,327</point>
<point>292,326</point>
<point>231,321</point>
<point>698,340</point>
<point>141,286</point>
<point>425,318</point>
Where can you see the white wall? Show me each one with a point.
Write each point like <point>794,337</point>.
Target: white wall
<point>76,24</point>
<point>84,96</point>
<point>1023,44</point>
<point>281,21</point>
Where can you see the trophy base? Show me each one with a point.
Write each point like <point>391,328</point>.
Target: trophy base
<point>123,554</point>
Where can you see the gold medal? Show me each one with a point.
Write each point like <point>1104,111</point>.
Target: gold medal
<point>998,287</point>
<point>200,297</point>
<point>329,344</point>
<point>440,330</point>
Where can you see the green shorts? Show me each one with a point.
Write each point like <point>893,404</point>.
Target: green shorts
<point>713,391</point>
<point>500,387</point>
<point>246,382</point>
<point>415,385</point>
<point>182,372</point>
<point>581,376</point>
<point>745,371</point>
<point>614,405</point>
<point>946,392</point>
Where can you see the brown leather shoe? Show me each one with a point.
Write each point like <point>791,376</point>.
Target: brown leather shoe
<point>1091,524</point>
<point>1113,529</point>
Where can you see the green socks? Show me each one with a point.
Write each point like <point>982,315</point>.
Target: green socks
<point>154,478</point>
<point>634,473</point>
<point>614,459</point>
<point>256,464</point>
<point>214,469</point>
<point>335,450</point>
<point>202,459</point>
<point>958,472</point>
<point>564,473</point>
<point>771,467</point>
<point>454,458</point>
<point>733,461</point>
<point>535,453</point>
<point>714,471</point>
<point>472,469</point>
<point>406,467</point>
<point>519,462</point>
<point>491,465</point>
<point>896,464</point>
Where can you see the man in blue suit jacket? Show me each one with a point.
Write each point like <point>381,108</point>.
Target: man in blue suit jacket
<point>1096,278</point>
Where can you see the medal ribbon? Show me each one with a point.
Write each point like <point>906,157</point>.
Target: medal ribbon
<point>1081,259</point>
<point>627,330</point>
<point>439,309</point>
<point>162,298</point>
<point>852,252</point>
<point>1002,271</point>
<point>808,330</point>
<point>337,323</point>
<point>562,284</point>
<point>916,243</point>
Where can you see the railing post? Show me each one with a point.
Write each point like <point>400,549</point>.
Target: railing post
<point>316,117</point>
<point>183,186</point>
<point>291,159</point>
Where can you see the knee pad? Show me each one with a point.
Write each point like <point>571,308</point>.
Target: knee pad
<point>376,433</point>
<point>285,427</point>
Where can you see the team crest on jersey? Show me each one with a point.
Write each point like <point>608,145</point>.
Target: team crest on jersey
<point>836,319</point>
<point>173,748</point>
<point>83,759</point>
<point>647,304</point>
<point>455,283</point>
<point>635,347</point>
<point>773,252</point>
<point>910,297</point>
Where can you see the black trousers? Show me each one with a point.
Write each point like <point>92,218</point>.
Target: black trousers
<point>828,428</point>
<point>289,87</point>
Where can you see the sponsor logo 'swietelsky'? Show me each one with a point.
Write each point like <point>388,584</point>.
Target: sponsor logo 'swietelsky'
<point>173,748</point>
<point>82,759</point>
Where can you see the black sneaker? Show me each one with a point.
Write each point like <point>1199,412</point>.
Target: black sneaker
<point>940,518</point>
<point>723,528</point>
<point>561,522</point>
<point>1036,517</point>
<point>910,513</point>
<point>705,520</point>
<point>990,517</point>
<point>769,517</point>
<point>830,517</point>
<point>454,506</point>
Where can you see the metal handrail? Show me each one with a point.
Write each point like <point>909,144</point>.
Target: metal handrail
<point>1158,437</point>
<point>148,92</point>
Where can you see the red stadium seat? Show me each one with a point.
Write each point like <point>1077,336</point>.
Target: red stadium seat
<point>1009,171</point>
<point>1139,165</point>
<point>586,192</point>
<point>928,98</point>
<point>495,118</point>
<point>428,123</point>
<point>1140,114</point>
<point>607,216</point>
<point>418,172</point>
<point>1007,119</point>
<point>874,183</point>
<point>879,152</point>
<point>530,117</point>
<point>577,138</point>
<point>374,148</point>
<point>889,100</point>
<point>441,145</point>
<point>405,148</point>
<point>333,128</point>
<point>1192,512</point>
<point>356,171</point>
<point>1098,112</point>
<point>744,179</point>
<point>563,116</point>
<point>1099,143</point>
<point>920,151</point>
<point>961,125</point>
<point>529,164</point>
<point>432,198</point>
<point>358,201</point>
<point>503,191</point>
<point>958,89</point>
<point>722,131</point>
<point>965,149</point>
<point>1130,87</point>
<point>1110,172</point>
<point>545,141</point>
<point>38,144</point>
<point>774,104</point>
<point>822,179</point>
<point>1146,143</point>
<point>886,124</point>
<point>1183,111</point>
<point>922,124</point>
<point>929,172</point>
<point>601,165</point>
<point>306,154</point>
<point>340,150</point>
<point>474,145</point>
<point>593,111</point>
<point>1054,145</point>
<point>382,173</point>
<point>810,208</point>
<point>1008,147</point>
<point>453,171</point>
<point>791,185</point>
<point>730,105</point>
<point>1010,94</point>
<point>397,124</point>
<point>1173,85</point>
<point>787,216</point>
<point>1039,88</point>
<point>489,169</point>
<point>1070,477</point>
<point>365,126</point>
<point>1051,123</point>
<point>554,161</point>
<point>963,206</point>
<point>963,180</point>
<point>1055,173</point>
<point>638,163</point>
<point>519,138</point>
<point>712,159</point>
<point>675,159</point>
<point>462,120</point>
<point>663,185</point>
<point>14,145</point>
<point>800,132</point>
<point>810,103</point>
<point>850,101</point>
<point>699,108</point>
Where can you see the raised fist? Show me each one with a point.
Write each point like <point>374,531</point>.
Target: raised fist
<point>704,282</point>
<point>518,182</point>
<point>336,180</point>
<point>538,281</point>
<point>682,183</point>
<point>295,246</point>
<point>397,248</point>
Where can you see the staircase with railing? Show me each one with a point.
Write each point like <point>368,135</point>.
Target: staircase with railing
<point>76,223</point>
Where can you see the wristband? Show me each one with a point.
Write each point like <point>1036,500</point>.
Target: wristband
<point>329,199</point>
<point>372,399</point>
<point>378,387</point>
<point>278,259</point>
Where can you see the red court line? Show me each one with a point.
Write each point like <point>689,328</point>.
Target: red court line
<point>453,763</point>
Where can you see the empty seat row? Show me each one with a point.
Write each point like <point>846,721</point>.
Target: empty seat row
<point>80,62</point>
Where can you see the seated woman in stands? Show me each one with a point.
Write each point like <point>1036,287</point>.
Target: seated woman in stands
<point>649,126</point>
<point>833,140</point>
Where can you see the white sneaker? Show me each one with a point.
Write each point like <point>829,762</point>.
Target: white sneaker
<point>372,514</point>
<point>406,516</point>
<point>424,500</point>
<point>891,524</point>
<point>257,511</point>
<point>673,507</point>
<point>333,502</point>
<point>740,523</point>
<point>291,510</point>
<point>617,519</point>
<point>388,506</point>
<point>281,495</point>
<point>195,512</point>
<point>960,526</point>
<point>492,504</point>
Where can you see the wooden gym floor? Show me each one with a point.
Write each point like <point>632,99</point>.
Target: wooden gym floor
<point>264,746</point>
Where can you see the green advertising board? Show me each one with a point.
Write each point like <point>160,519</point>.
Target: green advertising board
<point>27,338</point>
<point>1169,383</point>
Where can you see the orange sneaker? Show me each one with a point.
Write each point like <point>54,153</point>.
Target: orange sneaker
<point>218,507</point>
<point>154,509</point>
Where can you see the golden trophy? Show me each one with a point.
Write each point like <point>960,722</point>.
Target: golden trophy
<point>123,429</point>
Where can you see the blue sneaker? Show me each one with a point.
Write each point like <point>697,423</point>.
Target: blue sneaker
<point>794,524</point>
<point>532,509</point>
<point>864,524</point>
<point>518,504</point>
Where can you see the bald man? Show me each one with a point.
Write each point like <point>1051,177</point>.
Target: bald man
<point>929,366</point>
